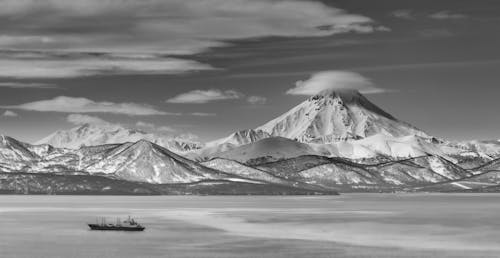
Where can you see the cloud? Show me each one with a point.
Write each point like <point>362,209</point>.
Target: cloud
<point>153,127</point>
<point>145,125</point>
<point>202,114</point>
<point>447,15</point>
<point>9,113</point>
<point>334,80</point>
<point>79,119</point>
<point>254,100</point>
<point>435,33</point>
<point>167,129</point>
<point>66,104</point>
<point>152,27</point>
<point>403,14</point>
<point>28,85</point>
<point>205,96</point>
<point>49,65</point>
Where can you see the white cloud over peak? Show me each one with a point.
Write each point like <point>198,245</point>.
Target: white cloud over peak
<point>204,96</point>
<point>150,27</point>
<point>334,80</point>
<point>66,104</point>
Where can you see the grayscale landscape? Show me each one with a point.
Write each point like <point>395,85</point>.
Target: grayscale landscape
<point>249,128</point>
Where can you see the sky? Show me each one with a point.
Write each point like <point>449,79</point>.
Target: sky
<point>207,68</point>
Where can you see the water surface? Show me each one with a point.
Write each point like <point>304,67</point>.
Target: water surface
<point>351,225</point>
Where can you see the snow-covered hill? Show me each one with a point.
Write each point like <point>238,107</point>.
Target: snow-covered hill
<point>100,134</point>
<point>267,150</point>
<point>349,176</point>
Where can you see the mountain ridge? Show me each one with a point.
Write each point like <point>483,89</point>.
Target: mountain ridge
<point>99,134</point>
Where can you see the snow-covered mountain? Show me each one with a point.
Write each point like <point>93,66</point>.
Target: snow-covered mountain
<point>346,124</point>
<point>142,161</point>
<point>333,116</point>
<point>336,123</point>
<point>271,163</point>
<point>147,162</point>
<point>99,134</point>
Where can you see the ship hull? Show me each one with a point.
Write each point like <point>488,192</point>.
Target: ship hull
<point>114,228</point>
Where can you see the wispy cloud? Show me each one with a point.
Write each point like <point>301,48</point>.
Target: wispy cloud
<point>138,29</point>
<point>202,114</point>
<point>205,96</point>
<point>334,80</point>
<point>403,14</point>
<point>67,65</point>
<point>432,65</point>
<point>152,127</point>
<point>167,129</point>
<point>435,33</point>
<point>66,104</point>
<point>79,119</point>
<point>447,15</point>
<point>145,125</point>
<point>9,113</point>
<point>256,100</point>
<point>28,85</point>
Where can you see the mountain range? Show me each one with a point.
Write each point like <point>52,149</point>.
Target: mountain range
<point>336,141</point>
<point>89,134</point>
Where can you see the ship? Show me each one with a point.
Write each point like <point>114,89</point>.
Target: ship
<point>127,225</point>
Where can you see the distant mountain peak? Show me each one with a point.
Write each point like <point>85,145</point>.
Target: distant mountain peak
<point>342,93</point>
<point>337,115</point>
<point>346,97</point>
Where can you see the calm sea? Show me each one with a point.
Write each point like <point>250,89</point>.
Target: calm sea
<point>351,225</point>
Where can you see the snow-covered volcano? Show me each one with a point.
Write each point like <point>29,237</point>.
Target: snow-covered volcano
<point>333,116</point>
<point>99,134</point>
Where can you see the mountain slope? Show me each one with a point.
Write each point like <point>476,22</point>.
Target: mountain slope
<point>266,150</point>
<point>15,155</point>
<point>100,134</point>
<point>382,145</point>
<point>236,168</point>
<point>148,162</point>
<point>348,176</point>
<point>419,171</point>
<point>333,116</point>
